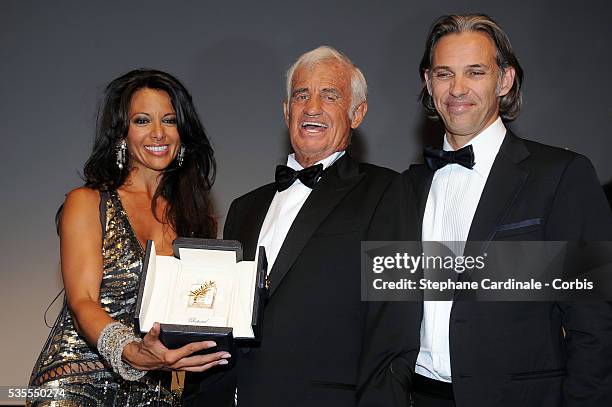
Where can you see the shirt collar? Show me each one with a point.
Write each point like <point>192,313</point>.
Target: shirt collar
<point>486,146</point>
<point>293,164</point>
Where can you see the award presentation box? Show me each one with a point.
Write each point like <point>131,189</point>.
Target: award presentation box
<point>205,291</point>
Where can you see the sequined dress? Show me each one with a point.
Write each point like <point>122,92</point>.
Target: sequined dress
<point>68,363</point>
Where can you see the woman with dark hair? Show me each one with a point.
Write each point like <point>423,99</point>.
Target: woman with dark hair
<point>148,178</point>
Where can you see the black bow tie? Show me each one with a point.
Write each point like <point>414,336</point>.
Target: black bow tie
<point>286,176</point>
<point>437,159</point>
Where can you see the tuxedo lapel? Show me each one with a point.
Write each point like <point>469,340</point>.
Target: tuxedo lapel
<point>420,177</point>
<point>503,185</point>
<point>423,193</point>
<point>258,208</point>
<point>337,181</point>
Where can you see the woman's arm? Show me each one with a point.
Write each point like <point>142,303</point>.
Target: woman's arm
<point>81,259</point>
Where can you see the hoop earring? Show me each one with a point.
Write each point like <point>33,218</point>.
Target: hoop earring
<point>121,153</point>
<point>180,156</point>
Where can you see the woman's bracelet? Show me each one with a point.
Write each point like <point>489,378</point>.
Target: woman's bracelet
<point>113,338</point>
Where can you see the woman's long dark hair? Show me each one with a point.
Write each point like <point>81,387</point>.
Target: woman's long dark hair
<point>186,188</point>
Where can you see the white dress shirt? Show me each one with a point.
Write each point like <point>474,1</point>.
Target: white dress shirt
<point>451,204</point>
<point>284,208</point>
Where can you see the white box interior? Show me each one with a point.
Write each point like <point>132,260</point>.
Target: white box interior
<point>169,282</point>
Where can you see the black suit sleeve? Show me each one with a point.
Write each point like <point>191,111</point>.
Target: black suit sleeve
<point>580,212</point>
<point>229,232</point>
<point>391,329</point>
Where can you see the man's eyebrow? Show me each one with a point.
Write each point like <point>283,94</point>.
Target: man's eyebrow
<point>330,90</point>
<point>298,91</point>
<point>448,68</point>
<point>441,67</point>
<point>484,66</point>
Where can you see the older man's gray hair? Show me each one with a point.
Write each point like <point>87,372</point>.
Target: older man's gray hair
<point>359,87</point>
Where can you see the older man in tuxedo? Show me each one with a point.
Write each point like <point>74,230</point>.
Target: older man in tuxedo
<point>488,184</point>
<point>311,221</point>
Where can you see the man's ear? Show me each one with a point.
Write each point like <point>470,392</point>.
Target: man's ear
<point>359,114</point>
<point>427,81</point>
<point>286,113</point>
<point>507,80</point>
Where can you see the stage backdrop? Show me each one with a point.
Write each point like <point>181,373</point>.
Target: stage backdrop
<point>56,57</point>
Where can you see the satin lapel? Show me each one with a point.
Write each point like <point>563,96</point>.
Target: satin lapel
<point>423,193</point>
<point>342,177</point>
<point>248,232</point>
<point>420,177</point>
<point>504,183</point>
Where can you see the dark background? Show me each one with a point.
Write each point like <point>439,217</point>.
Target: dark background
<point>56,57</point>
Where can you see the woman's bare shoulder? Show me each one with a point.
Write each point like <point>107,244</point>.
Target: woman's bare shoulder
<point>82,195</point>
<point>81,206</point>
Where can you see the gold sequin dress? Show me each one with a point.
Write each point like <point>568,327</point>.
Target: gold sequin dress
<point>68,363</point>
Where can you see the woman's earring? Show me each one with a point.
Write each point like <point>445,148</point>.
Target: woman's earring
<point>180,156</point>
<point>121,153</point>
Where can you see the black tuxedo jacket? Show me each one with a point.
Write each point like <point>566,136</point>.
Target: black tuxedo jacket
<point>515,353</point>
<point>313,319</point>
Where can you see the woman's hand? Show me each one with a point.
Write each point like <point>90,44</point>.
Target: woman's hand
<point>151,354</point>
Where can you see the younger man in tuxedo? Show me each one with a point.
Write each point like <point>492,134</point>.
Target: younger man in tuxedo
<point>488,184</point>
